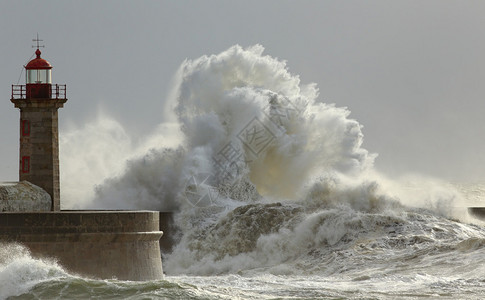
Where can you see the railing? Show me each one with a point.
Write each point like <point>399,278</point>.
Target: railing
<point>18,91</point>
<point>58,91</point>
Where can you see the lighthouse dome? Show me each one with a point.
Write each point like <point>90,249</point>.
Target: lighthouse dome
<point>38,63</point>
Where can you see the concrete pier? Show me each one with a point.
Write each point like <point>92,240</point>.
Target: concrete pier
<point>98,244</point>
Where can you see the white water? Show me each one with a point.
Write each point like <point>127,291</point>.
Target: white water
<point>275,195</point>
<point>19,272</point>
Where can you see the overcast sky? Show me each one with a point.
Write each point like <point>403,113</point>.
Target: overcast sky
<point>411,72</point>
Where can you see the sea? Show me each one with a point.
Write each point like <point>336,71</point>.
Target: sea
<point>274,197</point>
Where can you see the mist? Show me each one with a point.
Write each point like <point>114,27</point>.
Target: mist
<point>214,100</point>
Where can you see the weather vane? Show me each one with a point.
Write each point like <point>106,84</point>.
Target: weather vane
<point>37,40</point>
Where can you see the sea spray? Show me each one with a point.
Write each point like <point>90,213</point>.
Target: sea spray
<point>243,101</point>
<point>25,277</point>
<point>19,271</point>
<point>154,180</point>
<point>269,179</point>
<point>335,231</point>
<point>224,100</point>
<point>99,150</point>
<point>93,150</point>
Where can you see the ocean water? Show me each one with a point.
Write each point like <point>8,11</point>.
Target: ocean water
<point>275,198</point>
<point>335,253</point>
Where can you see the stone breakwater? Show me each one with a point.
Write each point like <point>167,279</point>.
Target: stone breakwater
<point>100,244</point>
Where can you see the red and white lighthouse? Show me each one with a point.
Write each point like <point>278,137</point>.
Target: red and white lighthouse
<point>38,101</point>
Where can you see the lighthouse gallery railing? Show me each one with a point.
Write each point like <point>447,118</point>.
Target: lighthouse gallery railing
<point>19,91</point>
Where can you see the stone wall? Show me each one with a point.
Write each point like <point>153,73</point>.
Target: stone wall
<point>99,244</point>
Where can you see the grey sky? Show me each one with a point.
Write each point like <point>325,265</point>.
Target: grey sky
<point>411,72</point>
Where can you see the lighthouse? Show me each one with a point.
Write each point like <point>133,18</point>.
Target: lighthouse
<point>39,100</point>
<point>99,244</point>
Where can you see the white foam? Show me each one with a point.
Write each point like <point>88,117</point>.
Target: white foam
<point>19,272</point>
<point>310,158</point>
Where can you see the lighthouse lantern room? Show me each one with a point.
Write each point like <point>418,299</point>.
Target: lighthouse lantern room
<point>38,77</point>
<point>39,101</point>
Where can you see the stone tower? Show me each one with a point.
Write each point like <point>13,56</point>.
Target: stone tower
<point>38,101</point>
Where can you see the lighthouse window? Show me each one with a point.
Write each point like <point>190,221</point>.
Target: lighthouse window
<point>39,76</point>
<point>26,164</point>
<point>25,127</point>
